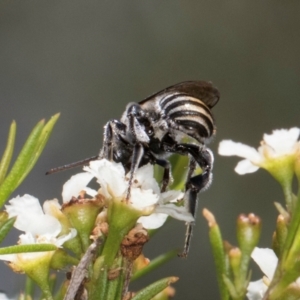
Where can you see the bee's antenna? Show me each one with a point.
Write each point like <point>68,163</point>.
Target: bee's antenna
<point>72,165</point>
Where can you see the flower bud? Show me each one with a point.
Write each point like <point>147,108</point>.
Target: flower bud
<point>248,232</point>
<point>140,263</point>
<point>235,255</point>
<point>280,234</point>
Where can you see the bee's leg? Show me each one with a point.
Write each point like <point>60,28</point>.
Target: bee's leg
<point>167,176</point>
<point>113,131</point>
<point>138,135</point>
<point>165,164</point>
<point>137,124</point>
<point>193,186</point>
<point>106,151</point>
<point>137,155</point>
<point>114,136</point>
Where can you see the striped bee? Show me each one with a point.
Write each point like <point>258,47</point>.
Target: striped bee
<point>154,128</point>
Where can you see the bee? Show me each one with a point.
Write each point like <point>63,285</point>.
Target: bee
<point>151,130</point>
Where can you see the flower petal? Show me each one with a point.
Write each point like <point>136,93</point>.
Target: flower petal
<point>153,221</point>
<point>51,207</point>
<point>75,185</point>
<point>60,240</point>
<point>256,290</point>
<point>231,148</point>
<point>140,199</point>
<point>26,204</point>
<point>170,196</point>
<point>266,259</point>
<point>30,216</point>
<point>110,175</point>
<point>27,238</point>
<point>144,178</point>
<point>3,297</point>
<point>177,212</point>
<point>245,166</point>
<point>282,140</point>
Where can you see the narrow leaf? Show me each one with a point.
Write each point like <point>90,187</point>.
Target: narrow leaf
<point>154,264</point>
<point>8,152</point>
<point>40,145</point>
<point>11,181</point>
<point>230,286</point>
<point>27,158</point>
<point>216,242</point>
<point>6,227</point>
<point>153,289</point>
<point>27,248</point>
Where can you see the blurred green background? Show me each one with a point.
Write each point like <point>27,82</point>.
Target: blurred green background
<point>88,59</point>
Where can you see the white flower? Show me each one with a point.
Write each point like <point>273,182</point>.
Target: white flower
<point>144,195</point>
<point>4,297</point>
<point>280,143</point>
<point>267,261</point>
<point>39,227</point>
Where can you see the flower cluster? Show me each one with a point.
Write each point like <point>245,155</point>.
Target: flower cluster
<point>279,154</point>
<point>89,214</point>
<point>102,230</point>
<point>145,194</point>
<point>40,226</point>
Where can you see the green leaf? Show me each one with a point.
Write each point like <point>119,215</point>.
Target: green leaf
<point>153,289</point>
<point>6,227</point>
<point>8,152</point>
<point>27,157</point>
<point>11,181</point>
<point>28,248</point>
<point>154,264</point>
<point>40,145</point>
<point>230,286</point>
<point>3,217</point>
<point>216,242</point>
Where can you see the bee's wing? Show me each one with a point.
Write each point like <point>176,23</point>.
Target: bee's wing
<point>202,90</point>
